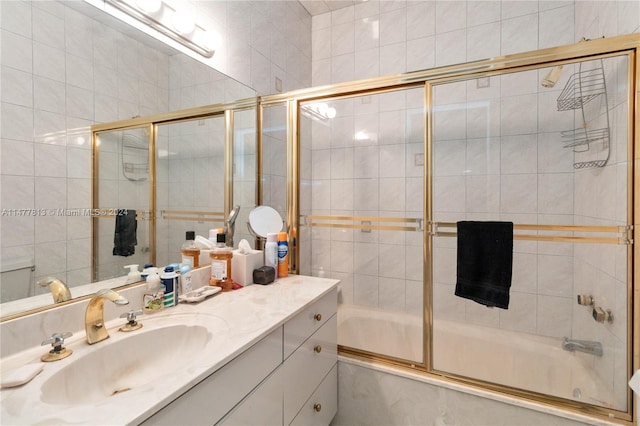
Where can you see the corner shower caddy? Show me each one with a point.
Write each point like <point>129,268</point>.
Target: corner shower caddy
<point>582,87</point>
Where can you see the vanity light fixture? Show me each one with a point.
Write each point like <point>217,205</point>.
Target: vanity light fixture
<point>319,111</point>
<point>179,25</point>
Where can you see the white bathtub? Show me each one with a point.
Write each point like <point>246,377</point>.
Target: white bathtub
<point>510,358</point>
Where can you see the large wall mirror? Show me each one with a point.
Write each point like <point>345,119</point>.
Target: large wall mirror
<point>118,73</point>
<point>172,174</point>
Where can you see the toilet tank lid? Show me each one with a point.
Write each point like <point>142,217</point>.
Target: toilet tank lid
<point>16,263</point>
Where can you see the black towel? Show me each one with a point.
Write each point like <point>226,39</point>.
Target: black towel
<point>485,262</point>
<point>124,237</point>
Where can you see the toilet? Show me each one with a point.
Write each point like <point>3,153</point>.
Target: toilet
<point>17,279</point>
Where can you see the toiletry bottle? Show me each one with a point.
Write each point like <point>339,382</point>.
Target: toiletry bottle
<point>221,264</point>
<point>153,299</point>
<point>185,279</point>
<point>134,275</point>
<point>283,255</point>
<point>191,252</point>
<point>271,252</point>
<point>213,236</point>
<point>146,270</point>
<point>169,280</point>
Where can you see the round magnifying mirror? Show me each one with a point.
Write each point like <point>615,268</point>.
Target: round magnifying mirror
<point>264,220</point>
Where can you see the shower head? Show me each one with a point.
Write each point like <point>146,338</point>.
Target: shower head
<point>552,77</point>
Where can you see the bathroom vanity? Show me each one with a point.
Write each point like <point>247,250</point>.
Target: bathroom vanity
<point>259,355</point>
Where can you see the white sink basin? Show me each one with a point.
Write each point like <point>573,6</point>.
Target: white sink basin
<point>124,363</point>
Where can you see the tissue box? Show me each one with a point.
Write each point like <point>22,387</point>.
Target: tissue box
<point>204,259</point>
<point>243,264</point>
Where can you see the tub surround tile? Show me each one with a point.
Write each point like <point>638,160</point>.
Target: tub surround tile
<point>382,384</point>
<point>445,55</point>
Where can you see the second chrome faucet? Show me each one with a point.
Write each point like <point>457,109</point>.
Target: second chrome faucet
<point>586,346</point>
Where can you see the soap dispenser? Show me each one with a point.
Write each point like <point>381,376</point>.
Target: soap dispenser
<point>134,275</point>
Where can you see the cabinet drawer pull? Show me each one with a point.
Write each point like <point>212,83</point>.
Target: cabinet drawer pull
<point>318,317</point>
<point>317,407</point>
<point>317,349</point>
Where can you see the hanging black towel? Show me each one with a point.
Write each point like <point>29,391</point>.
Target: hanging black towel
<point>485,262</point>
<point>124,237</point>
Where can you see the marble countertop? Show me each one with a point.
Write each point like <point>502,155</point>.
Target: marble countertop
<point>236,319</point>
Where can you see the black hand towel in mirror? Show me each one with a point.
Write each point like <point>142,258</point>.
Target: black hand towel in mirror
<point>485,261</point>
<point>124,237</point>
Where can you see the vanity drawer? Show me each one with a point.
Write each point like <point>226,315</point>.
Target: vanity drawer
<point>303,325</point>
<point>211,399</point>
<point>322,406</point>
<point>263,406</point>
<point>307,366</point>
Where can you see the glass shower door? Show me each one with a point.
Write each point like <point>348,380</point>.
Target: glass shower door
<point>361,205</point>
<point>546,149</point>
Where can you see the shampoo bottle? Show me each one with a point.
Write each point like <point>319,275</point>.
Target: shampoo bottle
<point>191,252</point>
<point>221,264</point>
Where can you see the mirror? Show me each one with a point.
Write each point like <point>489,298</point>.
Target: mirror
<point>265,220</point>
<point>118,73</point>
<point>123,230</point>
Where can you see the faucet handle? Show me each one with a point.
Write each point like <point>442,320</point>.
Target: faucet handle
<point>131,324</point>
<point>57,339</point>
<point>57,352</point>
<point>131,315</point>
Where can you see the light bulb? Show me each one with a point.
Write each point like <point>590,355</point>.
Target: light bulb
<point>331,112</point>
<point>149,6</point>
<point>211,40</point>
<point>322,108</point>
<point>183,22</point>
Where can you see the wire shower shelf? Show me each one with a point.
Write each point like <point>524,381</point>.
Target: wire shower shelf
<point>581,88</point>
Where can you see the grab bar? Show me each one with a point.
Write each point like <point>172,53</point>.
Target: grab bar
<point>623,237</point>
<point>366,222</point>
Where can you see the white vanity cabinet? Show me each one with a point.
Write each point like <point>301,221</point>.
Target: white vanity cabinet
<point>288,377</point>
<point>208,401</point>
<point>311,360</point>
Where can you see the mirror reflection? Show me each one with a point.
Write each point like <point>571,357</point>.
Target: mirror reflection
<point>117,73</point>
<point>122,236</point>
<point>190,163</point>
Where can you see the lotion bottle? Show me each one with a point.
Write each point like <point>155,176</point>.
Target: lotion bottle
<point>271,252</point>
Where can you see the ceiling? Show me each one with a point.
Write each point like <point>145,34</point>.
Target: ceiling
<point>317,7</point>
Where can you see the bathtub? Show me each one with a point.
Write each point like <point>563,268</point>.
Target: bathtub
<point>519,360</point>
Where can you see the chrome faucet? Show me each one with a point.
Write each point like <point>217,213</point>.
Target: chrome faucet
<point>230,225</point>
<point>586,346</point>
<point>94,316</point>
<point>59,290</point>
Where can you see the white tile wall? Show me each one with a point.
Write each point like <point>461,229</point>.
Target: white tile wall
<point>61,72</point>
